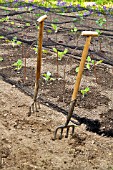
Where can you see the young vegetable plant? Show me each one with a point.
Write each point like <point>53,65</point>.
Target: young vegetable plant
<point>15,42</point>
<point>18,64</point>
<point>100,22</point>
<point>60,54</point>
<point>35,48</point>
<point>85,91</point>
<point>4,19</point>
<point>90,63</point>
<point>27,24</point>
<point>47,76</point>
<point>55,27</point>
<point>74,29</point>
<point>98,31</point>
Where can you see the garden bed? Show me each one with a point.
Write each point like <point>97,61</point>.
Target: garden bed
<point>18,41</point>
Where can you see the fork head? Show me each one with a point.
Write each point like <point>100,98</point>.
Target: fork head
<point>33,108</point>
<point>61,128</point>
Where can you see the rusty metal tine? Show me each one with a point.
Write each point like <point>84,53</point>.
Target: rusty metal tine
<point>32,107</point>
<point>67,132</point>
<point>36,107</point>
<point>54,138</point>
<point>61,133</point>
<point>55,133</point>
<point>73,129</point>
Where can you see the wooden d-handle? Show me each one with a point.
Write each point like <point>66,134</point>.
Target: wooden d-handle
<point>89,33</point>
<point>42,18</point>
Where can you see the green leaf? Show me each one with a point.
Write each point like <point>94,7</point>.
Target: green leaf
<point>49,31</point>
<point>65,51</point>
<point>55,20</point>
<point>37,15</point>
<point>1,37</point>
<point>75,19</point>
<point>55,50</point>
<point>60,55</point>
<point>98,31</point>
<point>18,42</point>
<point>44,51</point>
<point>93,62</point>
<point>83,92</point>
<point>99,62</point>
<point>1,59</point>
<point>75,29</point>
<point>77,69</point>
<point>88,59</point>
<point>12,22</point>
<point>27,24</point>
<point>88,66</point>
<point>48,73</point>
<point>18,64</point>
<point>87,89</point>
<point>54,26</point>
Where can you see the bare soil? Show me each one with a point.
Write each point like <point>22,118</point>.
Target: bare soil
<point>27,142</point>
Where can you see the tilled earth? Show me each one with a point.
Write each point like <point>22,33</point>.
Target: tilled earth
<point>27,142</point>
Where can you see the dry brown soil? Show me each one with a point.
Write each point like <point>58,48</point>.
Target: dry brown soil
<point>26,143</point>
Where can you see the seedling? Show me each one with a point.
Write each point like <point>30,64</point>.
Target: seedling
<point>60,54</point>
<point>15,42</point>
<point>37,15</point>
<point>35,48</point>
<point>49,31</point>
<point>74,29</point>
<point>55,27</point>
<point>45,51</point>
<point>100,22</point>
<point>56,20</point>
<point>89,62</point>
<point>47,76</point>
<point>18,64</point>
<point>85,91</point>
<point>77,69</point>
<point>98,31</point>
<point>27,24</point>
<point>4,19</point>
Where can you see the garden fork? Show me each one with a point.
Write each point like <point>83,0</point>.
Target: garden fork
<point>89,35</point>
<point>33,106</point>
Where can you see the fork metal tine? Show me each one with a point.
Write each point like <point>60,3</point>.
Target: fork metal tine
<point>62,127</point>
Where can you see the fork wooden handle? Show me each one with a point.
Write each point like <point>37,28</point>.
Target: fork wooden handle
<point>40,40</point>
<point>89,35</point>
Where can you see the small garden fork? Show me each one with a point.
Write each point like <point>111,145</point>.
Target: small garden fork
<point>33,106</point>
<point>89,35</point>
